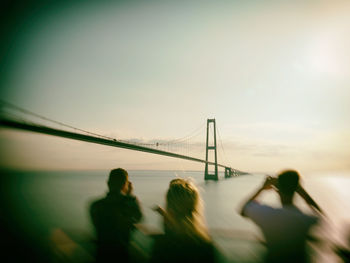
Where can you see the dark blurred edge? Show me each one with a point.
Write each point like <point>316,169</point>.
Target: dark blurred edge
<point>13,17</point>
<point>17,244</point>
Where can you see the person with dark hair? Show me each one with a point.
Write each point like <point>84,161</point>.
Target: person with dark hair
<point>114,217</point>
<point>285,229</point>
<point>186,237</point>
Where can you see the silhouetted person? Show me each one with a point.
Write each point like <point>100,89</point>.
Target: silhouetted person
<point>285,229</point>
<point>186,238</point>
<point>114,217</point>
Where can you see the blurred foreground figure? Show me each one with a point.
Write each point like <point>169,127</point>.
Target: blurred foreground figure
<point>285,229</point>
<point>186,238</point>
<point>114,217</point>
<point>343,251</point>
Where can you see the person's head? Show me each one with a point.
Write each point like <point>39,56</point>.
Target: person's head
<point>182,198</point>
<point>287,184</point>
<point>118,179</point>
<point>184,205</point>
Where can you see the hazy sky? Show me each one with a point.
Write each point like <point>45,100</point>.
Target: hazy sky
<point>274,74</point>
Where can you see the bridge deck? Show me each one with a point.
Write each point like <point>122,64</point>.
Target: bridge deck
<point>92,139</point>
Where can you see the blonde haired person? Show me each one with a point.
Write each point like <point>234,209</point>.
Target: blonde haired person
<point>185,238</point>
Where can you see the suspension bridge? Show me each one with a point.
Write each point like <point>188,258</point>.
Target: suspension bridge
<point>211,166</point>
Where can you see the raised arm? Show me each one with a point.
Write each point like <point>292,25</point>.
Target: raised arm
<point>134,204</point>
<point>308,199</point>
<point>268,184</point>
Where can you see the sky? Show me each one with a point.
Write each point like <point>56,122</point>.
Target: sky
<point>274,74</point>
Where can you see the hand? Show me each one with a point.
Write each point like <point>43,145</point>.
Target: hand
<point>158,209</point>
<point>269,183</point>
<point>129,189</point>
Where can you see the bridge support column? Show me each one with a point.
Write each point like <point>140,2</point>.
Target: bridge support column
<point>207,175</point>
<point>228,172</point>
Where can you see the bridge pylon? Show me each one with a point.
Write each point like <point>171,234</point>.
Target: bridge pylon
<point>207,175</point>
<point>228,172</point>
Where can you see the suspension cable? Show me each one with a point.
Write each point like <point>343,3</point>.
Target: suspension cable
<point>183,140</point>
<point>10,105</point>
<point>190,135</point>
<point>222,147</point>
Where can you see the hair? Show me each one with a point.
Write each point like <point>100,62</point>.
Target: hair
<point>117,179</point>
<point>288,182</point>
<point>184,205</point>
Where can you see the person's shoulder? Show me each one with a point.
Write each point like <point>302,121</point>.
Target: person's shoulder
<point>96,206</point>
<point>311,219</point>
<point>207,245</point>
<point>174,248</point>
<point>207,250</point>
<point>307,218</point>
<point>97,202</point>
<point>261,214</point>
<point>130,200</point>
<point>163,249</point>
<point>255,206</point>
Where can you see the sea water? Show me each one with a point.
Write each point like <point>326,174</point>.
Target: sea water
<point>53,206</point>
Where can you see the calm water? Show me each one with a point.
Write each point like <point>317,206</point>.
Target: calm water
<point>53,205</point>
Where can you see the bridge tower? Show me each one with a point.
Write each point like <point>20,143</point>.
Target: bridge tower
<point>228,172</point>
<point>208,176</point>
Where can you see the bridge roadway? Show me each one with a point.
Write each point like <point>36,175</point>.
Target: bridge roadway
<point>92,139</point>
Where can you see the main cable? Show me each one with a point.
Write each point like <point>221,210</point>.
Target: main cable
<point>10,105</point>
